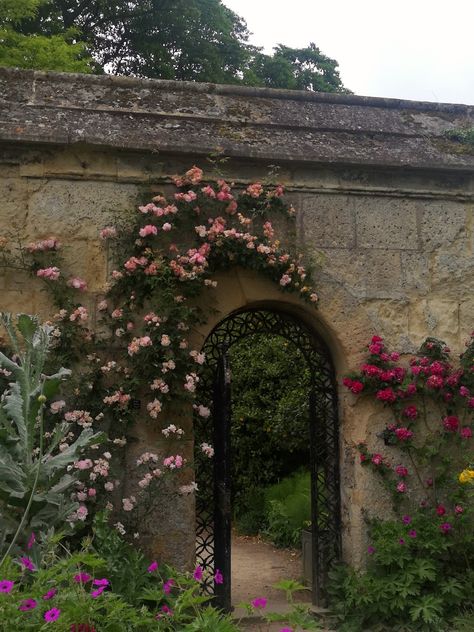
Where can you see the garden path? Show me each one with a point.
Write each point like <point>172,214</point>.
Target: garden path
<point>257,565</point>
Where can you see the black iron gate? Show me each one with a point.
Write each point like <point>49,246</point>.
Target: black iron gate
<point>213,499</point>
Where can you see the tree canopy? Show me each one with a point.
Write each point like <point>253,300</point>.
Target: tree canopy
<point>187,40</point>
<point>61,51</point>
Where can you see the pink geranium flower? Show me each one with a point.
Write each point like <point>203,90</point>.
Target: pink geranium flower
<point>27,563</point>
<point>167,586</point>
<point>98,592</point>
<point>6,586</point>
<point>82,578</point>
<point>153,566</point>
<point>259,602</point>
<point>101,582</point>
<point>52,615</point>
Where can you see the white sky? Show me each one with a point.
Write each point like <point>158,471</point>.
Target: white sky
<point>409,49</point>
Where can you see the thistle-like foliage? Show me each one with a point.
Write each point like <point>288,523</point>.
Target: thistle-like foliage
<point>34,477</point>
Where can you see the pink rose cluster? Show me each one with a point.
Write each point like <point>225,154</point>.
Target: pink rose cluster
<point>44,245</point>
<point>50,274</point>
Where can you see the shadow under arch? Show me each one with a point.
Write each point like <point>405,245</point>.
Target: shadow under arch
<point>213,476</point>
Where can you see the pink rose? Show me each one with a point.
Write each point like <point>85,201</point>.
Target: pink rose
<point>149,229</point>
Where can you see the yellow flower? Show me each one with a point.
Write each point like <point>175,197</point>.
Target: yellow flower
<point>466,476</point>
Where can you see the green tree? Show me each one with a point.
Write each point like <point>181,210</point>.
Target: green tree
<point>295,69</point>
<point>270,420</point>
<point>60,51</point>
<point>186,40</point>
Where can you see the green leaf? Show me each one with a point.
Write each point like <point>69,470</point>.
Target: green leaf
<point>27,325</point>
<point>428,609</point>
<point>14,407</point>
<point>72,452</point>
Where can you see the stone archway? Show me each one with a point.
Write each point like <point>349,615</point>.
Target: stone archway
<point>213,505</point>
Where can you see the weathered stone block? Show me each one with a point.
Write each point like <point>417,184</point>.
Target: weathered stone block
<point>382,274</point>
<point>441,223</point>
<point>416,272</point>
<point>385,222</point>
<point>466,318</point>
<point>78,209</point>
<point>390,320</point>
<point>345,267</point>
<point>88,260</point>
<point>436,316</point>
<point>328,221</point>
<point>13,205</point>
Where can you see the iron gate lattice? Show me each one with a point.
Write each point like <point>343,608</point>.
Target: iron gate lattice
<point>211,501</point>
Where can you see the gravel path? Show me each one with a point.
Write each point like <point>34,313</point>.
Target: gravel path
<point>257,565</point>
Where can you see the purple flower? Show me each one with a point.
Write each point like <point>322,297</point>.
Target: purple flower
<point>412,533</point>
<point>445,527</point>
<point>31,541</point>
<point>401,541</point>
<point>27,563</point>
<point>50,594</point>
<point>197,575</point>
<point>82,578</point>
<point>406,519</point>
<point>27,604</point>
<point>96,593</point>
<point>371,550</point>
<point>153,566</point>
<point>165,610</point>
<point>167,586</point>
<point>218,577</point>
<point>6,585</point>
<point>101,582</point>
<point>52,615</point>
<point>259,602</point>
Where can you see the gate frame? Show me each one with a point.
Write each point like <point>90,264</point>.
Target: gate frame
<point>214,485</point>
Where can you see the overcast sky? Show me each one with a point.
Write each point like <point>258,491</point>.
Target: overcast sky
<point>410,49</point>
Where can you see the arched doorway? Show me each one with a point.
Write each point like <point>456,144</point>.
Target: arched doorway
<point>213,476</point>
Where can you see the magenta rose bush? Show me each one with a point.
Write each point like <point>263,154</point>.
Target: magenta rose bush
<point>419,572</point>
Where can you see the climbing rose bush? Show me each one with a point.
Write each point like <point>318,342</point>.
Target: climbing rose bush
<point>133,351</point>
<point>420,562</point>
<point>431,401</point>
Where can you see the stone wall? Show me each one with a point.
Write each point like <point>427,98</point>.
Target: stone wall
<point>385,209</point>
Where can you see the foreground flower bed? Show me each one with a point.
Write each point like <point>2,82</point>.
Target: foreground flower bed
<point>108,585</point>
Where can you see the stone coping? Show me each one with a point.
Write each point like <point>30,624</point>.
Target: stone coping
<point>241,122</point>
